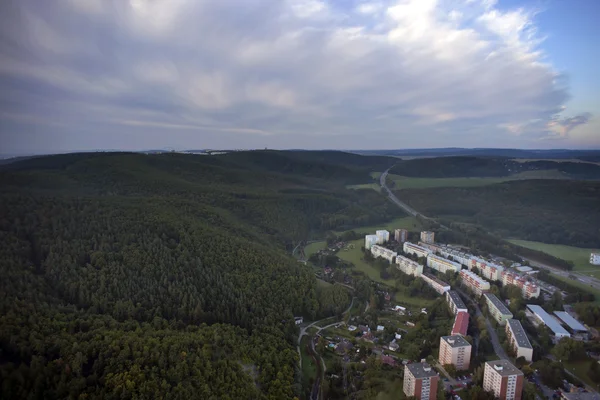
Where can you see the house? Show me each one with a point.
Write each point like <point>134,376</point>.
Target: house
<point>351,328</point>
<point>399,308</point>
<point>389,360</point>
<point>393,346</point>
<point>298,320</point>
<point>344,347</point>
<point>398,336</point>
<point>380,328</point>
<point>364,328</point>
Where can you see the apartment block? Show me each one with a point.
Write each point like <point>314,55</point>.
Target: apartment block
<point>401,235</point>
<point>461,324</point>
<point>455,350</point>
<point>370,240</point>
<point>438,285</point>
<point>518,339</point>
<point>595,258</point>
<point>383,236</point>
<point>503,379</point>
<point>409,266</point>
<point>420,381</point>
<point>497,308</point>
<point>486,269</point>
<point>455,303</point>
<point>475,283</point>
<point>386,254</point>
<point>441,264</point>
<point>428,237</point>
<point>528,288</point>
<point>410,248</point>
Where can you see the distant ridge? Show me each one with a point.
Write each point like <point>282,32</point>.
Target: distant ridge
<point>586,155</point>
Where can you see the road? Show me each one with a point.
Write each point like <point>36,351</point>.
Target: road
<point>591,281</point>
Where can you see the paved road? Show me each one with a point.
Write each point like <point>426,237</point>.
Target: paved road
<point>582,278</point>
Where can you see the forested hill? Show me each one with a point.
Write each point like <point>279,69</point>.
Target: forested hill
<point>164,276</point>
<point>466,166</point>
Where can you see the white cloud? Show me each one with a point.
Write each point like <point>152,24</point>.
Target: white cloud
<point>405,72</point>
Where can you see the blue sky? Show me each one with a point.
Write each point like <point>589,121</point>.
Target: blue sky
<point>347,74</point>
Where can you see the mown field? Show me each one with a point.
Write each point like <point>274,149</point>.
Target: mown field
<point>374,186</point>
<point>405,182</point>
<point>409,223</point>
<point>579,256</point>
<point>312,248</point>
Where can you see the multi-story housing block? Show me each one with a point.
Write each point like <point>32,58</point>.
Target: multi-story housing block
<point>528,288</point>
<point>420,381</point>
<point>475,283</point>
<point>387,254</point>
<point>461,324</point>
<point>503,379</point>
<point>455,303</point>
<point>438,285</point>
<point>519,340</point>
<point>497,308</point>
<point>410,248</point>
<point>486,269</point>
<point>383,236</point>
<point>441,264</point>
<point>401,235</point>
<point>370,240</point>
<point>428,237</point>
<point>409,266</point>
<point>455,350</point>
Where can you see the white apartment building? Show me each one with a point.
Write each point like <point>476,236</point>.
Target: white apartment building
<point>420,381</point>
<point>528,288</point>
<point>441,264</point>
<point>383,236</point>
<point>487,270</point>
<point>503,379</point>
<point>497,308</point>
<point>475,283</point>
<point>401,235</point>
<point>455,303</point>
<point>519,340</point>
<point>410,248</point>
<point>370,240</point>
<point>387,254</point>
<point>428,237</point>
<point>409,266</point>
<point>595,258</point>
<point>439,286</point>
<point>455,350</point>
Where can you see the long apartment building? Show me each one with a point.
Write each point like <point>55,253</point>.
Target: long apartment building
<point>497,308</point>
<point>420,381</point>
<point>455,303</point>
<point>411,248</point>
<point>475,283</point>
<point>455,350</point>
<point>428,237</point>
<point>528,288</point>
<point>409,266</point>
<point>401,235</point>
<point>461,324</point>
<point>486,269</point>
<point>519,340</point>
<point>383,236</point>
<point>386,254</point>
<point>370,241</point>
<point>441,264</point>
<point>438,285</point>
<point>503,379</point>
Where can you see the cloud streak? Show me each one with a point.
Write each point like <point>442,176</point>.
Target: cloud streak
<point>304,73</point>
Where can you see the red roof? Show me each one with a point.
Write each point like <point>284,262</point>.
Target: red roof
<point>461,324</point>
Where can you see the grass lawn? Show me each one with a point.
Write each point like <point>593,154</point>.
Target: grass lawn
<point>580,370</point>
<point>322,283</point>
<point>309,368</point>
<point>404,299</point>
<point>314,247</point>
<point>405,182</point>
<point>408,223</point>
<point>580,285</point>
<point>374,186</point>
<point>579,256</point>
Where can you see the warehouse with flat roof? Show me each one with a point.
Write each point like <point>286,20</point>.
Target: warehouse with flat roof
<point>548,320</point>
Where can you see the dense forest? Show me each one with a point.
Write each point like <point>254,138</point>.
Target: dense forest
<point>551,211</point>
<point>466,166</point>
<point>167,276</point>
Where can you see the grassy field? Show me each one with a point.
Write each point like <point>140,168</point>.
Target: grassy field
<point>580,285</point>
<point>580,370</point>
<point>409,223</point>
<point>314,247</point>
<point>405,182</point>
<point>322,283</point>
<point>309,368</point>
<point>374,186</point>
<point>404,299</point>
<point>579,256</point>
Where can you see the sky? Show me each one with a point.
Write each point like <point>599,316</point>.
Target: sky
<point>337,74</point>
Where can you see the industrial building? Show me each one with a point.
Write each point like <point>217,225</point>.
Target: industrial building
<point>475,283</point>
<point>455,303</point>
<point>503,379</point>
<point>409,266</point>
<point>455,350</point>
<point>461,324</point>
<point>410,248</point>
<point>401,235</point>
<point>428,237</point>
<point>438,285</point>
<point>519,340</point>
<point>542,316</point>
<point>497,308</point>
<point>441,264</point>
<point>386,254</point>
<point>576,327</point>
<point>370,240</point>
<point>420,381</point>
<point>383,236</point>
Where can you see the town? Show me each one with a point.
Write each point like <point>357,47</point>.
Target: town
<point>475,333</point>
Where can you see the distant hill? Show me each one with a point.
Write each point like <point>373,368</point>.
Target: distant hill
<point>588,155</point>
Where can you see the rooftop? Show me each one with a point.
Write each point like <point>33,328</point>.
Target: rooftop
<point>461,324</point>
<point>456,341</point>
<point>458,302</point>
<point>421,370</point>
<point>497,303</point>
<point>548,320</point>
<point>570,321</point>
<point>519,334</point>
<point>504,368</point>
<point>435,279</point>
<point>580,396</point>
